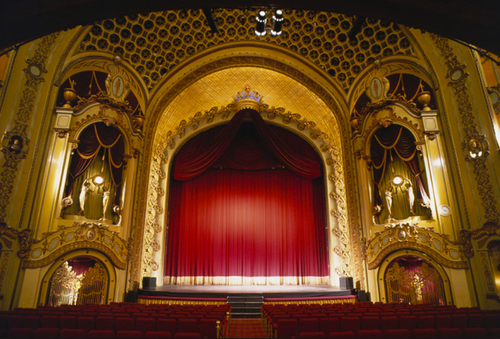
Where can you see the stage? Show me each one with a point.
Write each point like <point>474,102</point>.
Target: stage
<point>266,291</point>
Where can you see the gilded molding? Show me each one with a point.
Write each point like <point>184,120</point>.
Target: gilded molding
<point>457,76</point>
<point>412,236</point>
<point>152,229</point>
<point>143,215</point>
<point>481,236</point>
<point>78,236</point>
<point>490,279</point>
<point>23,116</point>
<point>21,236</point>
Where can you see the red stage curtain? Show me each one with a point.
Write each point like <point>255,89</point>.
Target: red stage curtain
<point>200,153</point>
<point>247,223</point>
<point>248,219</point>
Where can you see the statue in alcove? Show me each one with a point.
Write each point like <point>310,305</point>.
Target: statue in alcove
<point>84,194</point>
<point>398,179</point>
<point>105,201</point>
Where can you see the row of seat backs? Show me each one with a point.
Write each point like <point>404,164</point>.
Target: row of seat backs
<point>206,326</point>
<point>327,325</point>
<point>80,333</point>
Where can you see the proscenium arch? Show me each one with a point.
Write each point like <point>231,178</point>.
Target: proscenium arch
<point>294,71</point>
<point>94,254</point>
<point>222,117</point>
<point>405,252</point>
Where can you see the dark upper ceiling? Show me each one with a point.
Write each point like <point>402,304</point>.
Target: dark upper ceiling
<point>473,21</point>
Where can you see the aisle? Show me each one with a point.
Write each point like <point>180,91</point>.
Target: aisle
<point>246,328</point>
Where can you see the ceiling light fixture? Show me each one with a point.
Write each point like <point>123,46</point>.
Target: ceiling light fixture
<point>277,23</point>
<point>260,23</point>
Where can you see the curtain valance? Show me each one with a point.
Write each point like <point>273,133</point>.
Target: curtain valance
<point>209,149</point>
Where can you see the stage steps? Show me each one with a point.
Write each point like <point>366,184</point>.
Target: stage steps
<point>245,306</point>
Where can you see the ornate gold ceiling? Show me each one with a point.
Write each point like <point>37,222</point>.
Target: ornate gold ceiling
<point>154,43</point>
<point>220,88</point>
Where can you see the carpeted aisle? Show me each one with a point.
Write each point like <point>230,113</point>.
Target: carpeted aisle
<point>246,328</point>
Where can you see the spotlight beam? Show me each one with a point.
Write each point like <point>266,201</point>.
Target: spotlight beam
<point>209,15</point>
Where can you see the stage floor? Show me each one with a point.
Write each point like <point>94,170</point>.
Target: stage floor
<point>267,291</point>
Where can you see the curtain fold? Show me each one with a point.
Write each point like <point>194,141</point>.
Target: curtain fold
<point>397,139</point>
<point>229,223</point>
<point>91,140</point>
<point>247,206</point>
<point>201,153</point>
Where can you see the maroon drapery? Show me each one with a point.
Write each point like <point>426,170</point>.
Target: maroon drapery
<point>252,218</point>
<point>199,154</point>
<point>400,140</point>
<point>92,139</point>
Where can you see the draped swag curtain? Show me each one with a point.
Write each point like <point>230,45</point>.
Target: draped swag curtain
<point>92,139</point>
<point>395,140</point>
<point>247,206</point>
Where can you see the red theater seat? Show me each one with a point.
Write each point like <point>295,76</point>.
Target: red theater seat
<point>67,322</point>
<point>46,332</point>
<point>425,321</point>
<point>390,322</point>
<point>72,333</point>
<point>442,321</point>
<point>370,323</point>
<point>18,332</point>
<point>166,325</point>
<point>426,333</point>
<point>86,323</point>
<point>32,321</point>
<point>208,328</point>
<point>369,334</point>
<point>187,335</point>
<point>408,321</point>
<point>459,320</point>
<point>145,324</point>
<point>396,333</point>
<point>129,334</point>
<point>16,321</point>
<point>158,334</point>
<point>474,332</point>
<point>311,335</point>
<point>187,325</point>
<point>287,328</point>
<point>96,334</point>
<point>105,323</point>
<point>350,324</point>
<point>308,325</point>
<point>124,324</point>
<point>344,334</point>
<point>327,325</point>
<point>50,321</point>
<point>449,332</point>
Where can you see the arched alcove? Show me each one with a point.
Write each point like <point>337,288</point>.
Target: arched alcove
<point>410,276</point>
<point>95,278</point>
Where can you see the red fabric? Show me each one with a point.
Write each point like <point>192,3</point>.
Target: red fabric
<point>243,223</point>
<point>201,153</point>
<point>247,219</point>
<point>92,139</point>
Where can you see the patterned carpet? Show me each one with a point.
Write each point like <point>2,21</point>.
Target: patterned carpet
<point>246,328</point>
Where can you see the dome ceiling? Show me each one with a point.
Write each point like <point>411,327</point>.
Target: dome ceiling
<point>154,43</point>
<point>220,88</point>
